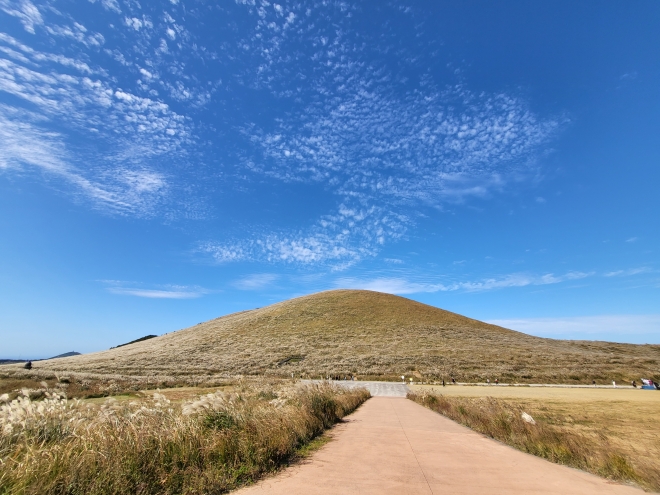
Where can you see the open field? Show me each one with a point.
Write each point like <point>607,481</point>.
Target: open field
<point>363,333</point>
<point>152,445</point>
<point>619,424</point>
<point>84,386</point>
<point>586,394</point>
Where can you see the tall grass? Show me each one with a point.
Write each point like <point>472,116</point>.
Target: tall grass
<point>510,424</point>
<point>208,445</point>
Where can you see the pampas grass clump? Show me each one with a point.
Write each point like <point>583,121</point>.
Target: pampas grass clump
<point>153,446</point>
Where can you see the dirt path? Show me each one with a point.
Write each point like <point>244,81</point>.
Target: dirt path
<point>392,445</point>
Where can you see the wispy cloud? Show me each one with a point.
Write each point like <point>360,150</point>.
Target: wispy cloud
<point>428,146</point>
<point>110,143</point>
<point>635,328</point>
<point>403,286</point>
<point>23,143</point>
<point>373,138</point>
<point>340,240</point>
<point>388,285</point>
<point>114,114</point>
<point>256,281</point>
<point>631,239</point>
<point>25,11</point>
<point>629,272</point>
<point>162,292</point>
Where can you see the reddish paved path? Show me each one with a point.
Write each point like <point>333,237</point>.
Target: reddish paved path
<point>394,446</point>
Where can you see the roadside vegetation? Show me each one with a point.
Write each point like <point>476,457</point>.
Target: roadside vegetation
<point>547,435</point>
<point>153,445</point>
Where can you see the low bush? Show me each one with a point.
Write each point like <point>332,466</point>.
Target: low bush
<point>208,445</point>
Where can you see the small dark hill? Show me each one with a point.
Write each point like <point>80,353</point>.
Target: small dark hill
<point>368,334</point>
<point>66,354</point>
<point>141,339</point>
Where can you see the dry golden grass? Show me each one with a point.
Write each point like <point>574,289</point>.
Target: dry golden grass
<point>154,446</point>
<point>85,386</point>
<point>610,432</point>
<point>368,334</point>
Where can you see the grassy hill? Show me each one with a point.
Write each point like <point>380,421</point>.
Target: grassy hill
<point>369,334</point>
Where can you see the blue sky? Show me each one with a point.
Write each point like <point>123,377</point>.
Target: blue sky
<point>164,163</point>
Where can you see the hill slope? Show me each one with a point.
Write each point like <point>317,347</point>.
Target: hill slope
<point>368,334</point>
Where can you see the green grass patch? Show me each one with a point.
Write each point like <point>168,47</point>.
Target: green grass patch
<point>312,446</point>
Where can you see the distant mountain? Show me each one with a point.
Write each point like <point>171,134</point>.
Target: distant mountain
<point>368,334</point>
<point>141,339</point>
<point>14,361</point>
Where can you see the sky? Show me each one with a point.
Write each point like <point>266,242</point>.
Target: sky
<point>165,163</point>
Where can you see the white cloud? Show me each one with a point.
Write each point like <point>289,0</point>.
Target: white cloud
<point>305,249</point>
<point>421,149</point>
<point>72,97</point>
<point>339,239</point>
<point>137,24</point>
<point>619,328</point>
<point>111,5</point>
<point>632,239</point>
<point>629,272</point>
<point>133,22</point>
<point>165,292</point>
<point>25,11</point>
<point>629,75</point>
<point>372,140</point>
<point>518,280</point>
<point>388,285</point>
<point>256,281</point>
<point>146,73</point>
<point>122,190</point>
<point>155,294</point>
<point>385,149</point>
<point>223,253</point>
<point>397,285</point>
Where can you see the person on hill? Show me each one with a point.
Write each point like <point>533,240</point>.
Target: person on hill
<point>28,365</point>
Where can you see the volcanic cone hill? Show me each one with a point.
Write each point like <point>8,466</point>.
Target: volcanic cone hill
<point>368,334</point>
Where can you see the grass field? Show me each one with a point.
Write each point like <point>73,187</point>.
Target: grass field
<point>149,444</point>
<point>614,422</point>
<point>368,334</point>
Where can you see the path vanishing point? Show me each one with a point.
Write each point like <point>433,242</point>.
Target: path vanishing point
<point>392,445</point>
